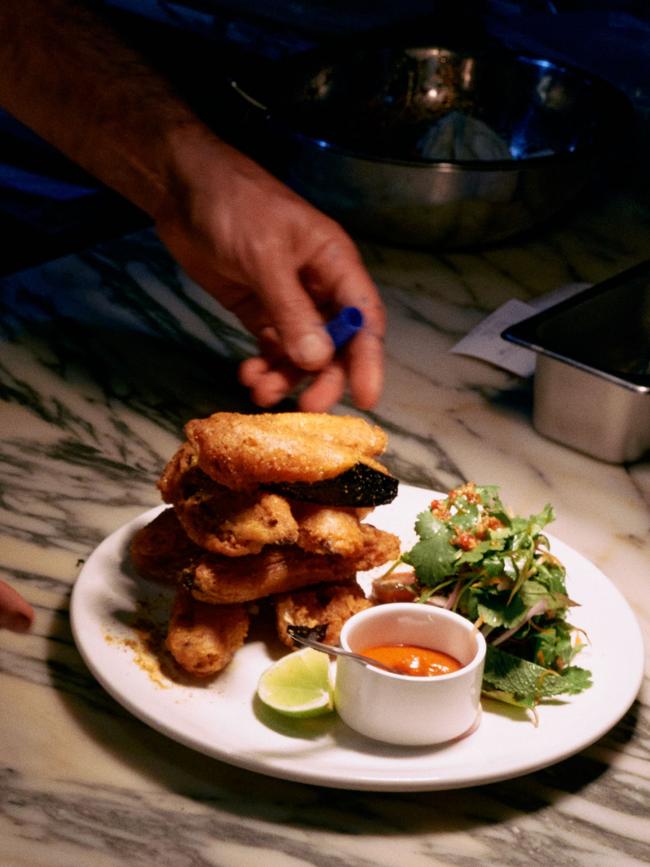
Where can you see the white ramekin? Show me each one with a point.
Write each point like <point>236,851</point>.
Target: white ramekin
<point>402,709</point>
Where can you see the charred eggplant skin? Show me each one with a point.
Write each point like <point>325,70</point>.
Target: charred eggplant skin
<point>359,486</point>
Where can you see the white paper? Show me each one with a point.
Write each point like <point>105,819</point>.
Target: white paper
<point>485,341</point>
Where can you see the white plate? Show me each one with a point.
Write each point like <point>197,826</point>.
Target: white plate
<point>223,719</point>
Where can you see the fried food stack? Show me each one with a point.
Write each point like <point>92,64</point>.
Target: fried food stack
<point>265,506</point>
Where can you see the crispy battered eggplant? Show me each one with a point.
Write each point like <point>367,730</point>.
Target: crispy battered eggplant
<point>322,610</point>
<point>361,485</point>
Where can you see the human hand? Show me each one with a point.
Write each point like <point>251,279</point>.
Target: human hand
<point>15,613</point>
<point>281,266</point>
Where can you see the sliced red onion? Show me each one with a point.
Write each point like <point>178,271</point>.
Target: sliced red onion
<point>538,608</point>
<point>438,601</point>
<point>455,593</point>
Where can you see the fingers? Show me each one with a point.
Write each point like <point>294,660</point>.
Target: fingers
<point>326,389</point>
<point>272,376</point>
<point>349,284</point>
<point>336,275</point>
<point>295,317</point>
<point>283,313</point>
<point>268,383</point>
<point>15,613</point>
<point>366,369</point>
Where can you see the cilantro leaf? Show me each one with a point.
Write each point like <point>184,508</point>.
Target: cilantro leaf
<point>496,610</point>
<point>489,495</point>
<point>532,592</point>
<point>433,557</point>
<point>474,555</point>
<point>427,525</point>
<point>553,646</point>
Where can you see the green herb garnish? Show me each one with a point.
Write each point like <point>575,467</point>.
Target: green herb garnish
<point>497,570</point>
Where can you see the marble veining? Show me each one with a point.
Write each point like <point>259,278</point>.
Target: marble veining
<point>103,357</point>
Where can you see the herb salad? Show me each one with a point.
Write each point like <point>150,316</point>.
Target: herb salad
<point>496,569</point>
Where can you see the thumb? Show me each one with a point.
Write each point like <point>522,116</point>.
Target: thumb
<point>299,325</point>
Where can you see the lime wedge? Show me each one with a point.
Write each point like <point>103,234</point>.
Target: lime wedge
<point>298,685</point>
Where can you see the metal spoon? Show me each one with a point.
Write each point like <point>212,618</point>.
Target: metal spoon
<point>304,635</point>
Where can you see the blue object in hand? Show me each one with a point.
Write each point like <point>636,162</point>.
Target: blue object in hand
<point>345,325</point>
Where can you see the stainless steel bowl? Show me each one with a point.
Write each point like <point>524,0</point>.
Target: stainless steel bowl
<point>431,146</point>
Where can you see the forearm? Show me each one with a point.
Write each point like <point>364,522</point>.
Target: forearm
<point>69,77</point>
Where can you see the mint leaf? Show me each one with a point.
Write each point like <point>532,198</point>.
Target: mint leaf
<point>526,684</point>
<point>571,681</point>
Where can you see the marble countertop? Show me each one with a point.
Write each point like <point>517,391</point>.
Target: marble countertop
<point>103,357</point>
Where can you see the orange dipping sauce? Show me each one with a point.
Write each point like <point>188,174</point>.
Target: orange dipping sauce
<point>413,660</point>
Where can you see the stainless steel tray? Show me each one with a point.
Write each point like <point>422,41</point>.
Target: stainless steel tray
<point>592,382</point>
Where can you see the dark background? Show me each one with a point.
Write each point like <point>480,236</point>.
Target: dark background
<point>49,207</point>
